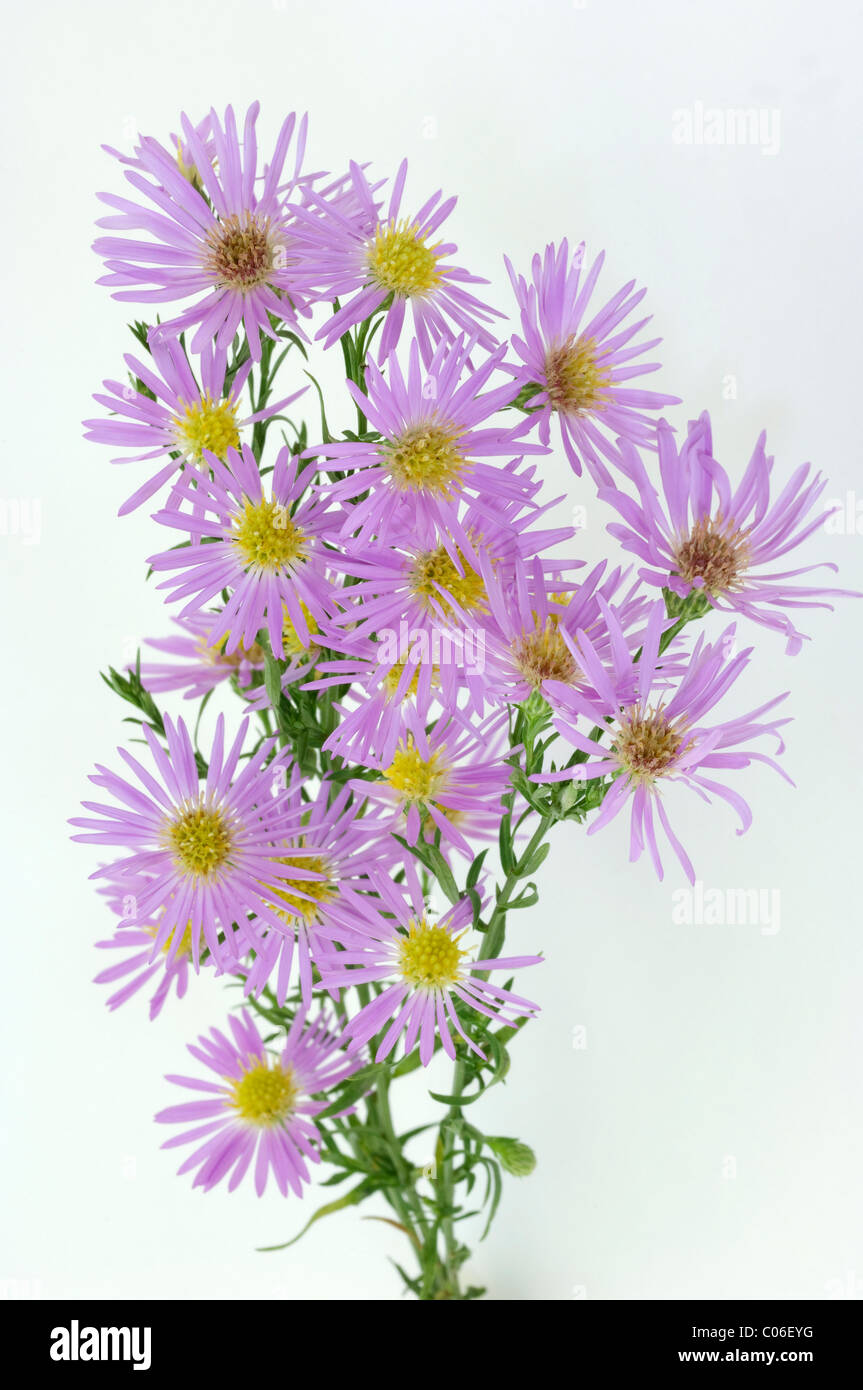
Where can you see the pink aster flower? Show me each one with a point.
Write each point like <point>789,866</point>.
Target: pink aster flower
<point>424,971</point>
<point>452,775</point>
<point>200,662</point>
<point>204,849</point>
<point>659,738</point>
<point>578,361</point>
<point>265,549</point>
<point>136,968</point>
<point>376,686</point>
<point>176,414</point>
<point>261,1106</point>
<point>721,540</point>
<point>432,577</point>
<point>529,644</point>
<point>352,252</point>
<point>338,852</point>
<point>438,443</point>
<point>221,237</point>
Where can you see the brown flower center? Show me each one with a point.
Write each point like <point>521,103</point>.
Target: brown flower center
<point>715,552</point>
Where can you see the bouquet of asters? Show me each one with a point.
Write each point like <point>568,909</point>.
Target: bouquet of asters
<point>426,681</point>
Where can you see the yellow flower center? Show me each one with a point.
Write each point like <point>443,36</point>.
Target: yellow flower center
<point>207,424</point>
<point>574,379</point>
<point>425,458</point>
<point>429,956</point>
<point>319,890</point>
<point>542,655</point>
<point>647,744</point>
<point>437,567</point>
<point>715,552</point>
<point>215,654</point>
<point>267,537</point>
<point>241,252</point>
<point>400,262</point>
<point>394,675</point>
<point>189,171</point>
<point>200,840</point>
<point>265,1095</point>
<point>185,947</point>
<point>291,638</point>
<point>413,777</point>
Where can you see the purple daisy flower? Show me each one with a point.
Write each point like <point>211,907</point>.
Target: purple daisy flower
<point>137,967</point>
<point>716,539</point>
<point>371,715</point>
<point>449,774</point>
<point>204,853</point>
<point>529,644</point>
<point>202,662</point>
<point>432,577</point>
<point>176,413</point>
<point>266,550</point>
<point>262,1106</point>
<point>435,434</point>
<point>578,368</point>
<point>391,260</point>
<point>222,237</point>
<point>659,738</point>
<point>424,970</point>
<point>341,850</point>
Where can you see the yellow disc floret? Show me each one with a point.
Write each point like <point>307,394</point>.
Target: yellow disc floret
<point>434,570</point>
<point>429,957</point>
<point>267,537</point>
<point>266,1094</point>
<point>207,424</point>
<point>200,840</point>
<point>575,378</point>
<point>215,654</point>
<point>426,458</point>
<point>291,640</point>
<point>399,261</point>
<point>413,777</point>
<point>318,891</point>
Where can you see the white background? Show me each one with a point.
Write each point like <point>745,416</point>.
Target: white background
<point>710,1050</point>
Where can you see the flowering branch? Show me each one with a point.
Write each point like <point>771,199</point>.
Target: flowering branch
<point>427,684</point>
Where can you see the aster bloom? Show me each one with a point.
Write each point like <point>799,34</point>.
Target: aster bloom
<point>266,550</point>
<point>221,237</point>
<point>371,717</point>
<point>717,539</point>
<point>659,738</point>
<point>262,1105</point>
<point>452,774</point>
<point>205,848</point>
<point>530,642</point>
<point>425,971</point>
<point>172,412</point>
<point>342,850</point>
<point>200,662</point>
<point>437,444</point>
<point>433,577</point>
<point>136,968</point>
<point>351,251</point>
<point>578,368</point>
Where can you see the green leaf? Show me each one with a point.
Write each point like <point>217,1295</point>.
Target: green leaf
<point>355,1089</point>
<point>273,680</point>
<point>351,1199</point>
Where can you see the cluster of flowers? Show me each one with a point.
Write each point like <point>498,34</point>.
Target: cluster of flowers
<point>409,571</point>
